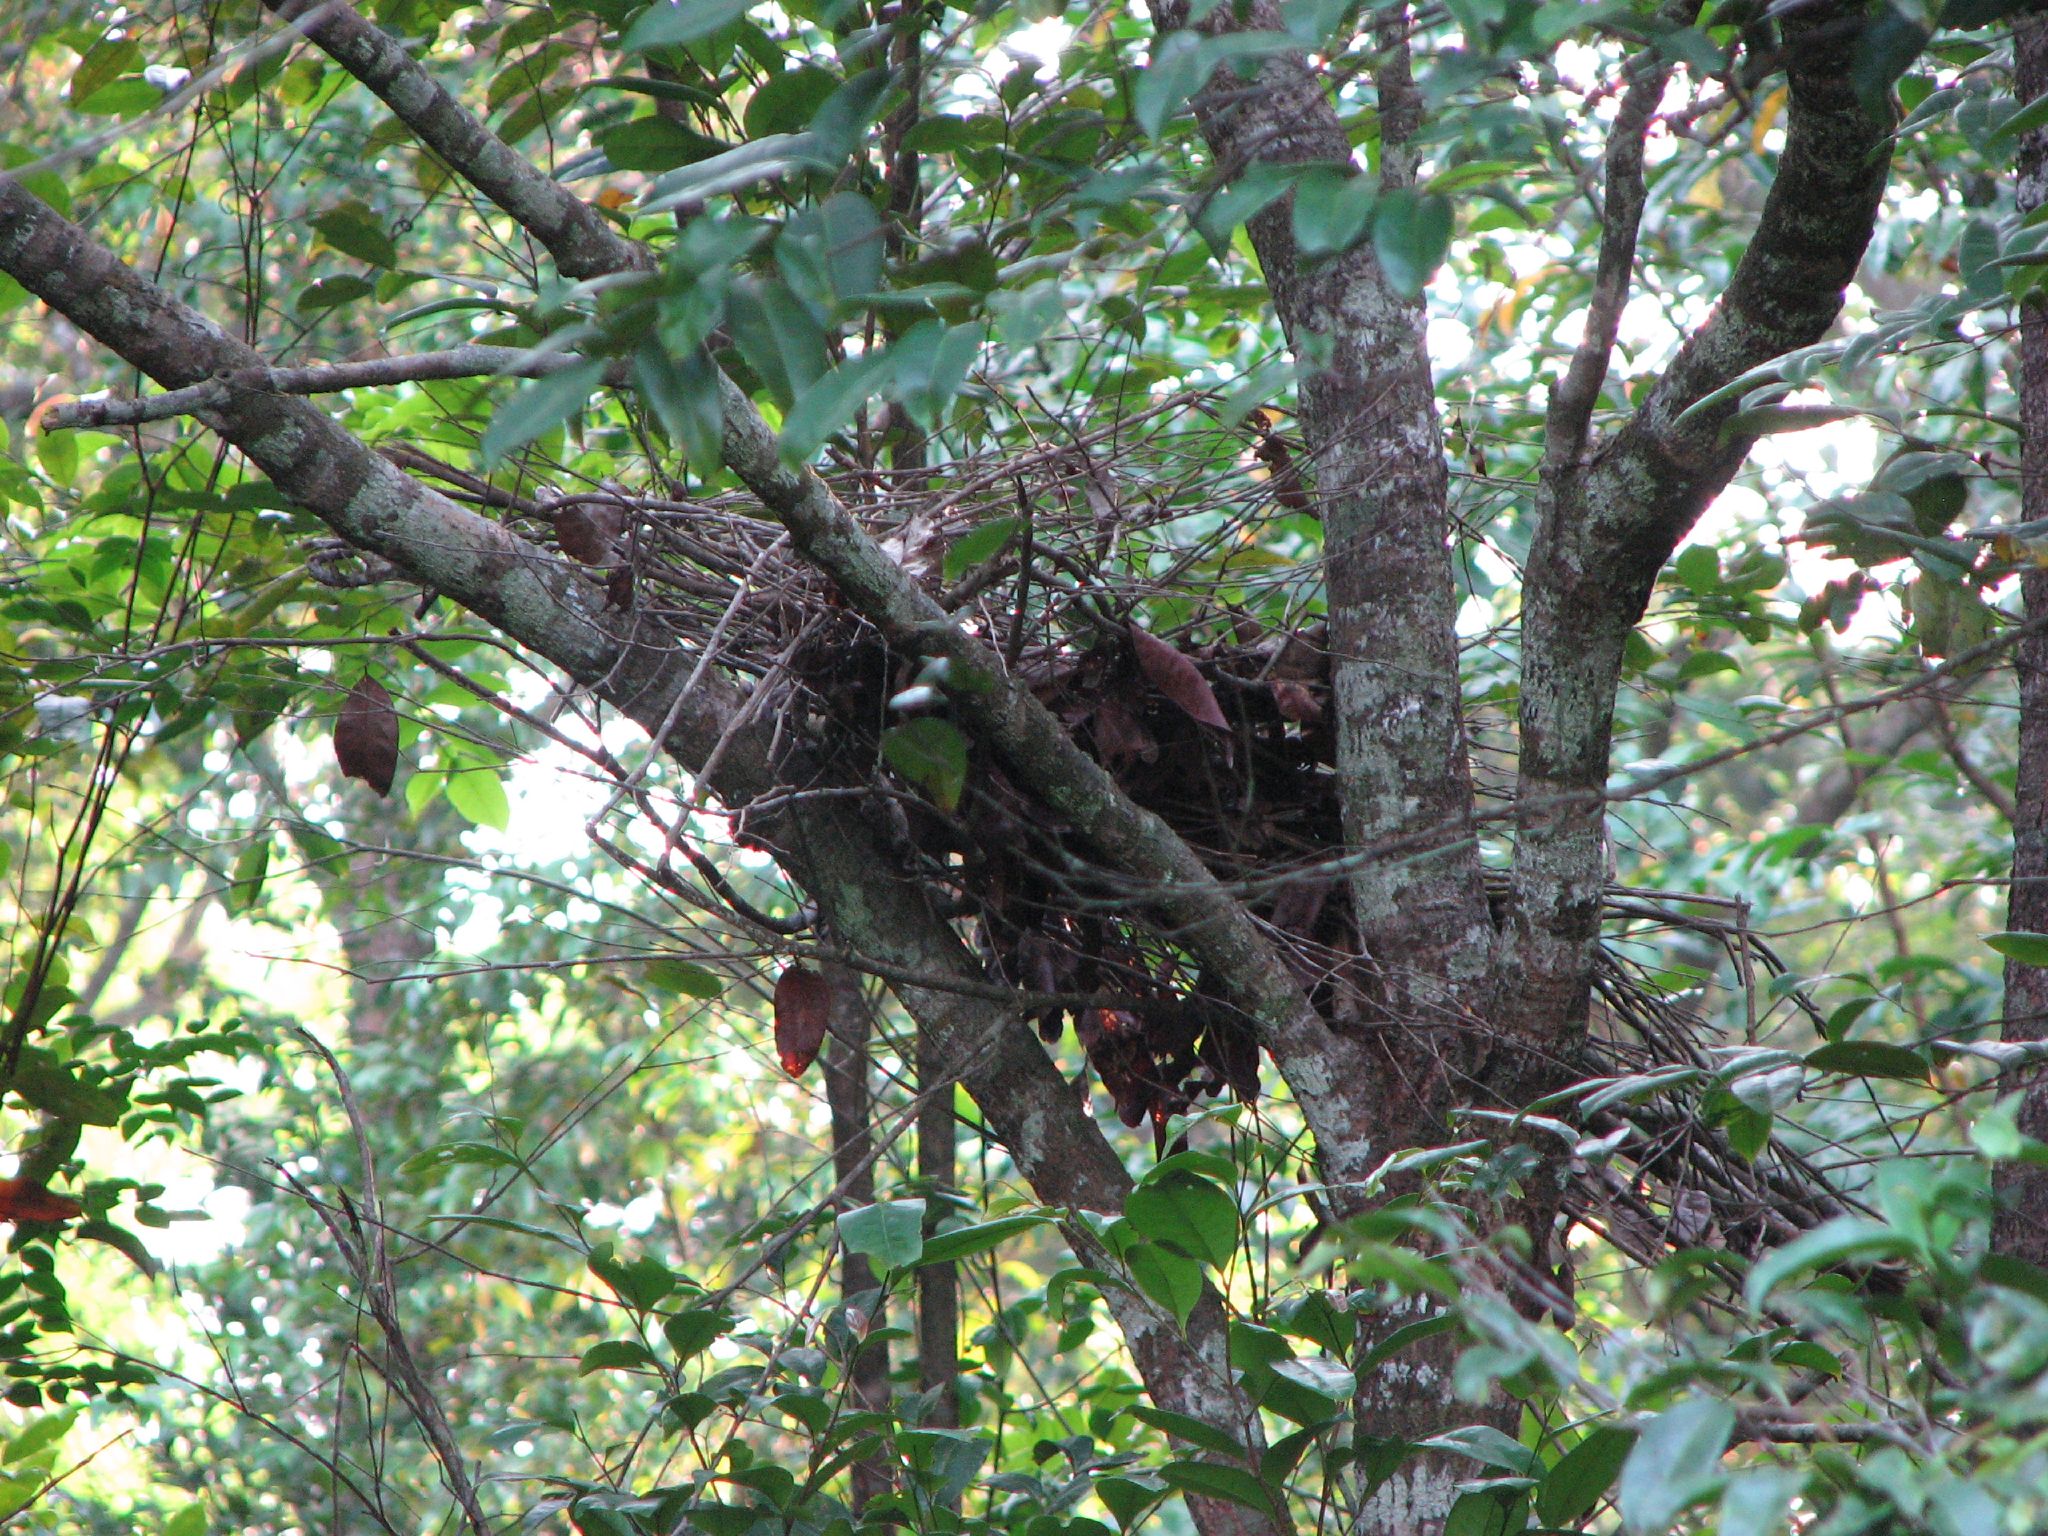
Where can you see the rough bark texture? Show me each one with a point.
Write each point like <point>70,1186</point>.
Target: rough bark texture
<point>1609,525</point>
<point>2022,1225</point>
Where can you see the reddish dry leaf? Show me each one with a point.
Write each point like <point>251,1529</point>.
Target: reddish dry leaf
<point>1296,701</point>
<point>803,1011</point>
<point>366,736</point>
<point>590,530</point>
<point>24,1200</point>
<point>1178,678</point>
<point>618,588</point>
<point>1284,479</point>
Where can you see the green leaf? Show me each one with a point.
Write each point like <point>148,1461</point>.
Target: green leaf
<point>2026,948</point>
<point>616,1355</point>
<point>246,884</point>
<point>479,795</point>
<point>332,293</point>
<point>539,406</point>
<point>684,393</point>
<point>1332,210</point>
<point>1487,1445</point>
<point>1582,1476</point>
<point>932,754</point>
<point>777,336</point>
<point>1885,49</point>
<point>43,1083</point>
<point>683,976</point>
<point>1218,215</point>
<point>1698,567</point>
<point>1411,234</point>
<point>1203,1436</point>
<point>891,1232</point>
<point>1675,1463</point>
<point>829,404</point>
<point>692,1332</point>
<point>1166,1278</point>
<point>978,545</point>
<point>355,231</point>
<point>786,103</point>
<point>1869,1058</point>
<point>1233,1485</point>
<point>1845,1240</point>
<point>1757,1501</point>
<point>1179,66</point>
<point>671,25</point>
<point>1190,1213</point>
<point>929,363</point>
<point>967,1242</point>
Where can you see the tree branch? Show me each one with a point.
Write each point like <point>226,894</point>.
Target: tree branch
<point>325,378</point>
<point>1234,950</point>
<point>1606,529</point>
<point>551,607</point>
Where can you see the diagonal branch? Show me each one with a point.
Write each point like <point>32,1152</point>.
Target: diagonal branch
<point>1206,918</point>
<point>1606,529</point>
<point>324,378</point>
<point>1570,417</point>
<point>551,607</point>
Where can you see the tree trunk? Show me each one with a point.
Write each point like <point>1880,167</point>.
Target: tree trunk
<point>2022,1222</point>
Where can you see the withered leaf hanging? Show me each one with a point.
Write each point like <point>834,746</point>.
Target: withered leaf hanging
<point>590,531</point>
<point>1178,678</point>
<point>803,1009</point>
<point>366,736</point>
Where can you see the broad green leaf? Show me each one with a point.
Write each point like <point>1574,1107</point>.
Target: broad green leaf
<point>1845,1240</point>
<point>1580,1480</point>
<point>891,1232</point>
<point>1411,234</point>
<point>1231,1484</point>
<point>1190,1213</point>
<point>673,23</point>
<point>684,392</point>
<point>1675,1463</point>
<point>1166,1278</point>
<point>778,337</point>
<point>1179,66</point>
<point>479,795</point>
<point>691,1332</point>
<point>245,886</point>
<point>1757,1501</point>
<point>983,543</point>
<point>1484,1443</point>
<point>1332,210</point>
<point>828,405</point>
<point>43,1083</point>
<point>683,976</point>
<point>967,1242</point>
<point>355,231</point>
<point>539,406</point>
<point>932,754</point>
<point>616,1355</point>
<point>1869,1058</point>
<point>2026,948</point>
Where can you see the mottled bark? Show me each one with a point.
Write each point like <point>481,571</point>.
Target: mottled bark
<point>1369,417</point>
<point>2022,1222</point>
<point>1608,525</point>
